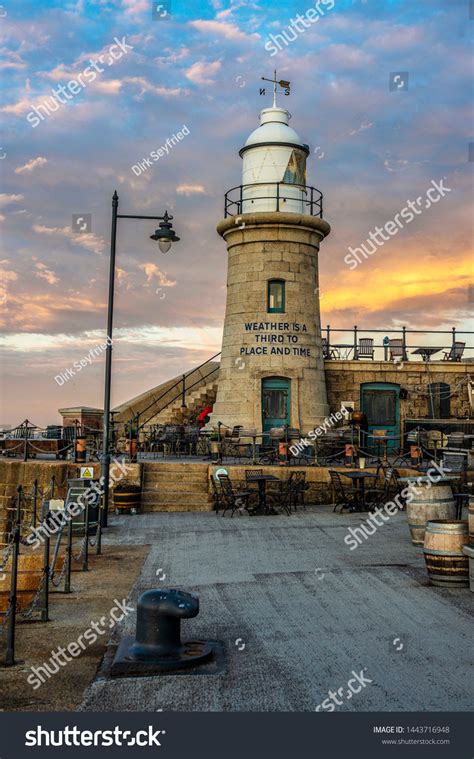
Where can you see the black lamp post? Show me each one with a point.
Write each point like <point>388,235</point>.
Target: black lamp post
<point>164,235</point>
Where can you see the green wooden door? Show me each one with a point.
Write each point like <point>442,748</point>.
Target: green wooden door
<point>380,401</point>
<point>275,402</point>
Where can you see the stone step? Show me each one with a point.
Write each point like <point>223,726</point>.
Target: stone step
<point>176,468</point>
<point>176,507</point>
<point>179,500</point>
<point>185,486</point>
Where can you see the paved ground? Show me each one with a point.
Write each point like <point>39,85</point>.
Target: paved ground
<point>309,612</point>
<point>110,577</point>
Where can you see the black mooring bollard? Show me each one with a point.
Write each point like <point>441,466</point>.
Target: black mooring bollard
<point>157,646</point>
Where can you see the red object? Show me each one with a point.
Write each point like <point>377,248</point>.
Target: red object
<point>202,416</point>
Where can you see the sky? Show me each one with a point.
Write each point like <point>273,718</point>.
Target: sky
<point>376,142</point>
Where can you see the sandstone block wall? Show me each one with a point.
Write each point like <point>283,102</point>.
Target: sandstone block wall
<point>271,246</point>
<point>344,378</point>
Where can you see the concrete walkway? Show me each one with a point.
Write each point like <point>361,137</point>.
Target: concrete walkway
<point>299,613</point>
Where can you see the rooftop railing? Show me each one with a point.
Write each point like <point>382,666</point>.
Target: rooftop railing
<point>336,347</point>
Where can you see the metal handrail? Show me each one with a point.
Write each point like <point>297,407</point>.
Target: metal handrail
<point>178,382</point>
<point>314,202</point>
<point>403,331</point>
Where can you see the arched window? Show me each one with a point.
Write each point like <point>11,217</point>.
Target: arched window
<point>276,296</point>
<point>439,403</point>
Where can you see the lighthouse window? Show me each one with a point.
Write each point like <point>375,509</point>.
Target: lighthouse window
<point>295,172</point>
<point>276,296</point>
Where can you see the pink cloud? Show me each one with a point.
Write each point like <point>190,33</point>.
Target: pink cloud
<point>202,72</point>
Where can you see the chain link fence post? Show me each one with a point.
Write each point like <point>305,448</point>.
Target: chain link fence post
<point>85,561</point>
<point>45,594</point>
<point>67,583</point>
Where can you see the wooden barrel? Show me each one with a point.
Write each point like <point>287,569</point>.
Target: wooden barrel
<point>30,571</point>
<point>430,501</point>
<point>127,498</point>
<point>469,552</point>
<point>470,519</point>
<point>446,563</point>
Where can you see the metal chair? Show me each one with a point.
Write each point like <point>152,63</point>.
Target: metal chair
<point>456,463</point>
<point>216,495</point>
<point>233,500</point>
<point>345,496</point>
<point>328,352</point>
<point>252,485</point>
<point>232,447</point>
<point>298,478</point>
<point>285,497</point>
<point>455,352</point>
<point>366,348</point>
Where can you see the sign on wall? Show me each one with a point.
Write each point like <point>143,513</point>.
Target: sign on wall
<point>276,339</point>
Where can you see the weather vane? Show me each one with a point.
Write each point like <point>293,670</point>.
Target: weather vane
<point>282,83</point>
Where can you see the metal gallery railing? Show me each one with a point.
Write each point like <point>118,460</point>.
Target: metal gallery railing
<point>276,195</point>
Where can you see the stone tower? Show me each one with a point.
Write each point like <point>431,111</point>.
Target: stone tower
<point>272,368</point>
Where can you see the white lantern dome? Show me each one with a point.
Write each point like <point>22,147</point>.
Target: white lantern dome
<point>274,165</point>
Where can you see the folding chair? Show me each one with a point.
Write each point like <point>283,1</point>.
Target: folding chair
<point>366,348</point>
<point>455,352</point>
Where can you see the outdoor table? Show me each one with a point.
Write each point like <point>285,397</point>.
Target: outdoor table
<point>261,480</point>
<point>426,352</point>
<point>359,477</point>
<point>348,348</point>
<point>253,435</point>
<point>385,440</point>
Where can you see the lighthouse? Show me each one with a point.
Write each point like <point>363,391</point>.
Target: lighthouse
<point>272,366</point>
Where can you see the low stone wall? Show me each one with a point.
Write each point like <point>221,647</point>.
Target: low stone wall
<point>15,473</point>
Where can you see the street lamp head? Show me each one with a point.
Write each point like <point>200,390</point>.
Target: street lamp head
<point>165,235</point>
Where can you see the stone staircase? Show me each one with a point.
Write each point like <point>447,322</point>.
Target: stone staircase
<point>162,404</point>
<point>196,401</point>
<point>175,487</point>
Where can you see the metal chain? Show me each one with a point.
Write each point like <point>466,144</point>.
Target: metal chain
<point>6,618</point>
<point>27,614</point>
<point>83,548</point>
<point>93,541</point>
<point>7,554</point>
<point>62,573</point>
